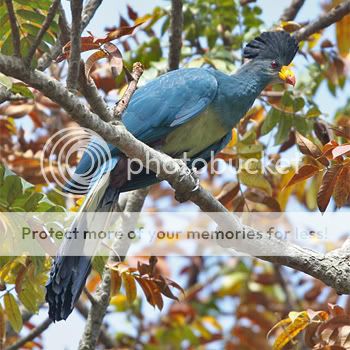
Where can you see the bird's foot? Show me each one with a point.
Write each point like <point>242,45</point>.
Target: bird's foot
<point>186,172</point>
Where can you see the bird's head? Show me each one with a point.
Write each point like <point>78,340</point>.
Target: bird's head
<point>272,53</point>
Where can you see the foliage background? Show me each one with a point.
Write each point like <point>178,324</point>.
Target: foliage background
<point>240,299</point>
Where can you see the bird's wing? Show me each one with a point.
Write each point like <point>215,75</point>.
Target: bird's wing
<point>161,105</point>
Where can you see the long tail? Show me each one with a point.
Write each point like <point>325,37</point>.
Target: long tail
<point>69,273</point>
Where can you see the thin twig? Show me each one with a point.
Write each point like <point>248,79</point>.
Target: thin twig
<point>45,26</point>
<point>334,15</point>
<point>31,335</point>
<point>175,37</point>
<point>16,39</point>
<point>119,109</point>
<point>292,10</point>
<point>74,58</point>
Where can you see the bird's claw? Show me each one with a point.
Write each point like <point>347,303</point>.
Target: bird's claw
<point>184,196</point>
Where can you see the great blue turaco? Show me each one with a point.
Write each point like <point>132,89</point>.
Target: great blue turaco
<point>187,110</point>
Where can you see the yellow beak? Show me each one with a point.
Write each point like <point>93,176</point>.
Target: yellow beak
<point>287,75</point>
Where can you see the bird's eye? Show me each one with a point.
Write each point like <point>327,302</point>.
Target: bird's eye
<point>274,64</point>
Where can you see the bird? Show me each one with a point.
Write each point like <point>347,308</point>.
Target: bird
<point>189,110</point>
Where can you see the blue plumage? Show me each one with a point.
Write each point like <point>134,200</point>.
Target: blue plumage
<point>188,110</point>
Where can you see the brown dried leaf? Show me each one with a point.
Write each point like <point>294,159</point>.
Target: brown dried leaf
<point>327,187</point>
<point>307,147</point>
<point>116,282</point>
<point>131,13</point>
<point>16,110</point>
<point>116,59</point>
<point>92,43</point>
<point>305,172</point>
<point>342,187</point>
<point>228,192</point>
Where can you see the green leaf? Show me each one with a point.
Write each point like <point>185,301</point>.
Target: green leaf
<point>298,104</point>
<point>11,189</point>
<point>5,81</point>
<point>20,88</point>
<point>284,127</point>
<point>313,112</point>
<point>255,181</point>
<point>13,313</point>
<point>272,119</point>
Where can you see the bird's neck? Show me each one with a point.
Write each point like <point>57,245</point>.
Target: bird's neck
<point>252,80</point>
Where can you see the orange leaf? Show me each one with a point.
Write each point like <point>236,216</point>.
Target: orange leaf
<point>326,190</point>
<point>116,282</point>
<point>342,187</point>
<point>304,173</point>
<point>92,60</point>
<point>130,286</point>
<point>340,150</point>
<point>343,33</point>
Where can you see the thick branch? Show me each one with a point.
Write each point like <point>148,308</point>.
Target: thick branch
<point>45,26</point>
<point>31,335</point>
<point>104,338</point>
<point>175,36</point>
<point>16,41</point>
<point>74,58</point>
<point>325,20</point>
<point>292,10</point>
<point>98,310</point>
<point>332,270</point>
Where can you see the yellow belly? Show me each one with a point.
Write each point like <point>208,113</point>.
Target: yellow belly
<point>194,136</point>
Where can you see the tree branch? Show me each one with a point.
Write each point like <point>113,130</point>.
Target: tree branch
<point>104,338</point>
<point>16,39</point>
<point>332,270</point>
<point>88,13</point>
<point>175,36</point>
<point>98,310</point>
<point>74,58</point>
<point>45,26</point>
<point>325,20</point>
<point>120,107</point>
<point>292,10</point>
<point>90,92</point>
<point>31,335</point>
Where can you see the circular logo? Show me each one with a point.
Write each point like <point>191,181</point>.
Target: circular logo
<point>60,154</point>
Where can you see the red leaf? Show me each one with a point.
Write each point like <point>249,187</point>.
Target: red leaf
<point>92,43</point>
<point>131,13</point>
